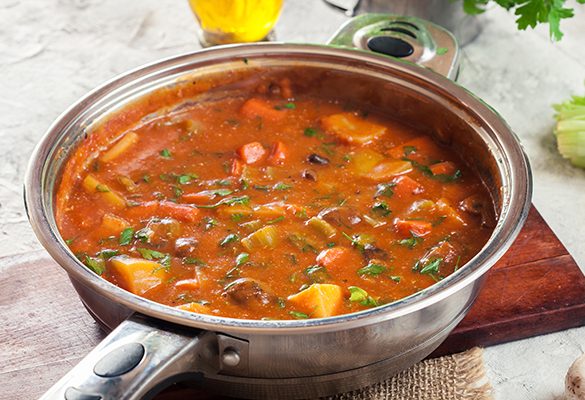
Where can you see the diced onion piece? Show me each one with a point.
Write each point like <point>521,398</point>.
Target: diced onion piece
<point>352,129</point>
<point>92,185</point>
<point>128,183</point>
<point>267,237</point>
<point>318,300</point>
<point>322,227</point>
<point>136,274</point>
<point>128,140</point>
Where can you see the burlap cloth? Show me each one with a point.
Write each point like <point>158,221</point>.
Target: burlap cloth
<point>455,377</point>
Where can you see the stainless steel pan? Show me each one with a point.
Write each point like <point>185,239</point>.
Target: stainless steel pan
<point>153,345</point>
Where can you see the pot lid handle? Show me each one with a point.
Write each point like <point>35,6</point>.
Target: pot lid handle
<point>407,38</point>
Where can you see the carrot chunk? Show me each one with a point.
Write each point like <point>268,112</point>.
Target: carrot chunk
<point>406,186</point>
<point>407,228</point>
<point>92,185</point>
<point>252,153</point>
<point>277,154</point>
<point>338,258</point>
<point>261,108</point>
<point>318,300</point>
<point>443,168</point>
<point>352,129</point>
<point>417,149</point>
<point>137,275</point>
<point>181,212</point>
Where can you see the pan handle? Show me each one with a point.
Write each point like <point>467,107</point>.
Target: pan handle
<point>135,361</point>
<point>407,38</point>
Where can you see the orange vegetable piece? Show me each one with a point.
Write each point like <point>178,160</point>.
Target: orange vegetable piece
<point>407,228</point>
<point>318,300</point>
<point>112,225</point>
<point>277,154</point>
<point>237,168</point>
<point>136,274</point>
<point>256,107</point>
<point>181,212</point>
<point>417,149</point>
<point>200,198</point>
<point>195,308</point>
<point>352,129</point>
<point>187,284</point>
<point>252,153</point>
<point>443,168</point>
<point>406,186</point>
<point>338,258</point>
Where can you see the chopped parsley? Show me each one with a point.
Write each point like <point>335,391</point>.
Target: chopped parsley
<point>193,261</point>
<point>232,237</point>
<point>242,258</point>
<point>381,208</point>
<point>359,295</point>
<point>385,189</point>
<point>126,236</point>
<point>411,242</point>
<point>243,200</point>
<point>165,153</point>
<point>372,269</point>
<point>186,178</point>
<point>298,315</point>
<point>97,265</point>
<point>282,186</point>
<point>432,267</point>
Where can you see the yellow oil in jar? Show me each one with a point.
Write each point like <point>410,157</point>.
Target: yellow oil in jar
<point>235,21</point>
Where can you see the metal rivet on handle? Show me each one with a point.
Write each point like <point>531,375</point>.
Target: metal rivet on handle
<point>230,357</point>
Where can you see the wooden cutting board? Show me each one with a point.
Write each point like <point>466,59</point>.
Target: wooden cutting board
<point>44,330</point>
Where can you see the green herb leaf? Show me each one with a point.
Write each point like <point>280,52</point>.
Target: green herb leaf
<point>310,132</point>
<point>186,178</point>
<point>232,237</point>
<point>442,51</point>
<point>165,153</point>
<point>372,269</point>
<point>385,189</point>
<point>282,186</point>
<point>298,315</point>
<point>106,254</point>
<point>149,254</point>
<point>290,106</point>
<point>97,265</point>
<point>359,295</point>
<point>126,236</point>
<point>395,278</point>
<point>242,258</point>
<point>432,267</point>
<point>381,208</point>
<point>243,200</point>
<point>411,242</point>
<point>193,261</point>
<point>275,220</point>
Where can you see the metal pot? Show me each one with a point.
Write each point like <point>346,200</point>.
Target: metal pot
<point>154,345</point>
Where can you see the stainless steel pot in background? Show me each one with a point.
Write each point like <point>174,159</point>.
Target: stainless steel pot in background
<point>447,13</point>
<point>154,345</point>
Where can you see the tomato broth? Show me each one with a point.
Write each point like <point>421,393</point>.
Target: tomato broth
<point>273,205</point>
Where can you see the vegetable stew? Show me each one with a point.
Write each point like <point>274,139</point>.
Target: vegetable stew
<point>272,205</point>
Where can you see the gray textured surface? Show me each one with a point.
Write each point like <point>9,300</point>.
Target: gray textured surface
<point>52,52</point>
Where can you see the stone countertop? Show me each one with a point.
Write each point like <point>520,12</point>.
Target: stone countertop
<point>53,52</point>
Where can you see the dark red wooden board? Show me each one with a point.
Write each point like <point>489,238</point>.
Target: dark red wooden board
<point>536,288</point>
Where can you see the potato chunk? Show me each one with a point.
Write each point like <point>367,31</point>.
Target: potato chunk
<point>352,129</point>
<point>127,141</point>
<point>318,300</point>
<point>137,275</point>
<point>92,185</point>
